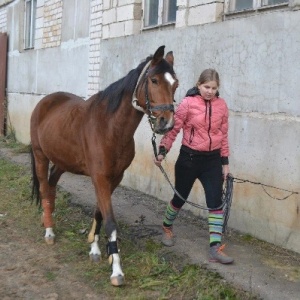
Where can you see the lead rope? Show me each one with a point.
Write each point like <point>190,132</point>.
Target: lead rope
<point>226,194</point>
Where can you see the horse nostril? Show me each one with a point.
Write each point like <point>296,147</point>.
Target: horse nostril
<point>162,122</point>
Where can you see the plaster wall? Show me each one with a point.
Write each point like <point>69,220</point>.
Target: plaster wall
<point>17,120</point>
<point>54,70</point>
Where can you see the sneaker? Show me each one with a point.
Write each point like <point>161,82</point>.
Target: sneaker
<point>216,254</point>
<point>168,236</point>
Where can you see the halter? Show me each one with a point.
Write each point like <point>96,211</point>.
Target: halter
<point>149,109</point>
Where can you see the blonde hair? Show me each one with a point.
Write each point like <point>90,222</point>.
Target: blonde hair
<point>208,75</point>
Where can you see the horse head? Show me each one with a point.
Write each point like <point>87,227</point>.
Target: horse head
<point>155,92</point>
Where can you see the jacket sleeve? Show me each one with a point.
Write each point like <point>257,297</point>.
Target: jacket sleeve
<point>179,119</point>
<point>225,145</point>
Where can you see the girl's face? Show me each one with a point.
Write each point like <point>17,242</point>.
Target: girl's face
<point>208,89</point>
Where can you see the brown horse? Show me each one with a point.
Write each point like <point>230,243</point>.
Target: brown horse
<point>95,138</point>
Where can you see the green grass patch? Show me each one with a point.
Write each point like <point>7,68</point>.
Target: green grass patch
<point>151,271</point>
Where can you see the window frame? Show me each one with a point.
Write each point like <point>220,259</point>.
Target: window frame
<point>29,25</point>
<point>162,17</point>
<point>257,5</point>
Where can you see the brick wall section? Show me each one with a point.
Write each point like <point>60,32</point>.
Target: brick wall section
<point>39,24</point>
<point>3,19</point>
<point>197,12</point>
<point>121,18</point>
<point>94,50</point>
<point>52,23</point>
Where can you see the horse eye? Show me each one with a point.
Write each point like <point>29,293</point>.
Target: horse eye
<point>153,80</point>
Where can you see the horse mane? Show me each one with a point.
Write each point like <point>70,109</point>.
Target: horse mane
<point>114,93</point>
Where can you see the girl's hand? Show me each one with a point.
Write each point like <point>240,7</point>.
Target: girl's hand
<point>225,171</point>
<point>158,159</point>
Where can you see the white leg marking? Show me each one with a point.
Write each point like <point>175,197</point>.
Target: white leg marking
<point>116,266</point>
<point>95,250</point>
<point>49,233</point>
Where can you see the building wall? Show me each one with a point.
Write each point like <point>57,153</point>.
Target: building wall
<point>95,46</point>
<point>3,19</point>
<point>59,53</point>
<point>255,54</point>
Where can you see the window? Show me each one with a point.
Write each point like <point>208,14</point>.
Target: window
<point>243,4</point>
<point>240,5</point>
<point>159,12</point>
<point>30,10</point>
<point>273,2</point>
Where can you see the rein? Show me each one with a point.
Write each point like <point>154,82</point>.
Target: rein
<point>226,194</point>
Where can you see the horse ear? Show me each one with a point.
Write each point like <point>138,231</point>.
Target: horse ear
<point>170,58</point>
<point>158,55</point>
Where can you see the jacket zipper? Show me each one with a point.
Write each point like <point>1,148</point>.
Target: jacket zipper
<point>191,135</point>
<point>209,125</point>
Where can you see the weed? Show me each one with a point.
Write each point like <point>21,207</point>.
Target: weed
<point>50,276</point>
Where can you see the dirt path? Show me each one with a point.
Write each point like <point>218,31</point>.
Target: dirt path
<point>261,268</point>
<point>25,272</point>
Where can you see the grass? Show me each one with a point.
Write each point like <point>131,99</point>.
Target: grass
<point>152,272</point>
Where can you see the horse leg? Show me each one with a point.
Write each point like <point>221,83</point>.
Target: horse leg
<point>48,203</point>
<point>41,170</point>
<point>104,190</point>
<point>117,276</point>
<point>93,237</point>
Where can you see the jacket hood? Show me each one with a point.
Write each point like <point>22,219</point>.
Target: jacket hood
<point>194,91</point>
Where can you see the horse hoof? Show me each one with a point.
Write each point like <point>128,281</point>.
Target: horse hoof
<point>49,240</point>
<point>95,257</point>
<point>117,280</point>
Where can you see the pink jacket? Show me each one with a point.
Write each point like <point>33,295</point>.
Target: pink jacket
<point>204,123</point>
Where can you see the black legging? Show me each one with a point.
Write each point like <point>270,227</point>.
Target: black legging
<point>207,168</point>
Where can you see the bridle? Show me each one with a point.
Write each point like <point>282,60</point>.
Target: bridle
<point>149,108</point>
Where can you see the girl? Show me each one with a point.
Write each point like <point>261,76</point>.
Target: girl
<point>204,152</point>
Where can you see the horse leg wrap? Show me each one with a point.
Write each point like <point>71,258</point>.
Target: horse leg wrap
<point>48,208</point>
<point>112,248</point>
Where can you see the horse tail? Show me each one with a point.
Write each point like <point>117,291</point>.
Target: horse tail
<point>35,190</point>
